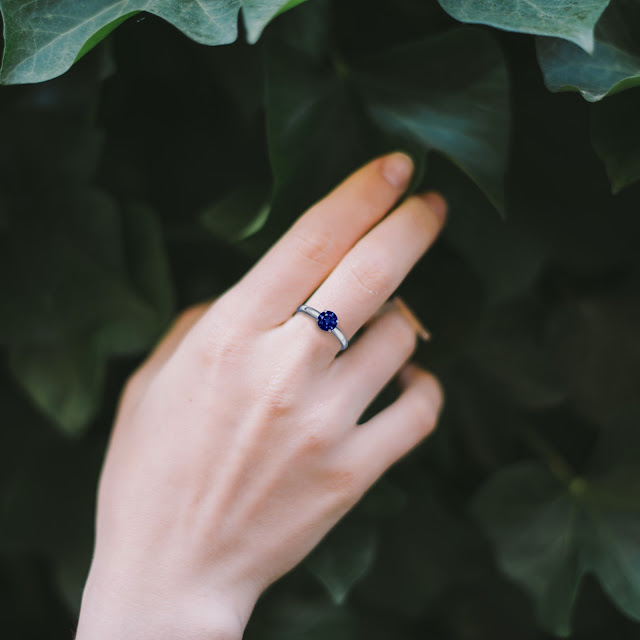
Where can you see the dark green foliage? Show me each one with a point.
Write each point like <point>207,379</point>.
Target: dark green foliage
<point>550,531</point>
<point>573,21</point>
<point>611,65</point>
<point>142,171</point>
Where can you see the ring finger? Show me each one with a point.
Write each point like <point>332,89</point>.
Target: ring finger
<point>371,271</point>
<point>383,348</point>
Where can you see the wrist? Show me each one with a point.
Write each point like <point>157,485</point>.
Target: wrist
<point>113,610</point>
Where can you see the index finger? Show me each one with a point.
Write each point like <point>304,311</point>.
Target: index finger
<point>312,247</point>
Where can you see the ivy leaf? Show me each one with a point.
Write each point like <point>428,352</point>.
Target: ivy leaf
<point>612,66</point>
<point>258,13</point>
<point>92,283</point>
<point>101,34</point>
<point>43,38</point>
<point>566,19</point>
<point>548,533</point>
<point>461,110</point>
<point>315,130</point>
<point>567,68</point>
<point>239,214</point>
<point>422,552</point>
<point>64,379</point>
<point>509,351</point>
<point>317,115</point>
<point>615,131</point>
<point>343,557</point>
<point>506,257</point>
<point>48,494</point>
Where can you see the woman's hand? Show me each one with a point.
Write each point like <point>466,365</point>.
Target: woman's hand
<point>235,448</point>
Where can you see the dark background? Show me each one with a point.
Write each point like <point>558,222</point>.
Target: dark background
<point>104,174</point>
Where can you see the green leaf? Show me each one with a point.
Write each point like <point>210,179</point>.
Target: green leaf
<point>343,557</point>
<point>44,38</point>
<point>566,19</point>
<point>461,110</point>
<point>315,127</point>
<point>612,66</point>
<point>92,283</point>
<point>615,132</point>
<point>548,534</point>
<point>317,114</point>
<point>568,68</point>
<point>101,34</point>
<point>307,30</point>
<point>146,259</point>
<point>422,552</point>
<point>509,351</point>
<point>258,13</point>
<point>290,5</point>
<point>63,379</point>
<point>239,214</point>
<point>48,497</point>
<point>506,255</point>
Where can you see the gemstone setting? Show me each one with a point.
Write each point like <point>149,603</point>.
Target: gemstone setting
<point>327,320</point>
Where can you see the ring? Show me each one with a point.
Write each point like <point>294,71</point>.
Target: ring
<point>327,321</point>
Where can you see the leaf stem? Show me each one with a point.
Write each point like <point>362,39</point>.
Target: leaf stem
<point>557,464</point>
<point>340,66</point>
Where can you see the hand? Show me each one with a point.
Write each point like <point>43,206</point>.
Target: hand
<point>236,446</point>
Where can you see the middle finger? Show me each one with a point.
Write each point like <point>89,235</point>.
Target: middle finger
<point>371,271</point>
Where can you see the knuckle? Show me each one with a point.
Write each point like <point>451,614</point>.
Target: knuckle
<point>302,348</point>
<point>279,396</point>
<point>371,272</point>
<point>316,245</point>
<point>297,352</point>
<point>314,442</point>
<point>221,347</point>
<point>278,404</point>
<point>341,482</point>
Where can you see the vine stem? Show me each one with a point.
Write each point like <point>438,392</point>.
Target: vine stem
<point>340,66</point>
<point>557,464</point>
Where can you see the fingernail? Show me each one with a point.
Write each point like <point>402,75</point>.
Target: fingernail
<point>397,169</point>
<point>421,330</point>
<point>437,203</point>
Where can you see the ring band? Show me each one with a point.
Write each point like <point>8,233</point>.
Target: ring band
<point>327,321</point>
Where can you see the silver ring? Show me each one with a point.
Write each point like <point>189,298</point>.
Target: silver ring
<point>327,321</point>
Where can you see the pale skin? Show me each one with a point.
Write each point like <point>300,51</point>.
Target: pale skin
<point>236,447</point>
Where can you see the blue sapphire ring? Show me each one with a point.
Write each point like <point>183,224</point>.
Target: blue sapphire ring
<point>327,321</point>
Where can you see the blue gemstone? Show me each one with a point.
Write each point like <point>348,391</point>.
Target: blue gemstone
<point>327,320</point>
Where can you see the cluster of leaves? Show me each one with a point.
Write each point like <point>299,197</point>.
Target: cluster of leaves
<point>141,171</point>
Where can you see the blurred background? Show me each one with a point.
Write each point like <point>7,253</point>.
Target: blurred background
<point>156,170</point>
